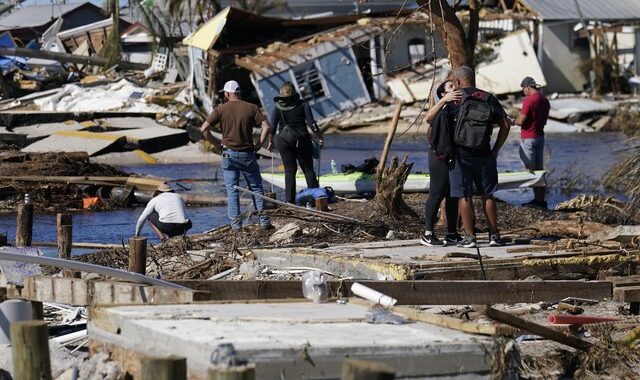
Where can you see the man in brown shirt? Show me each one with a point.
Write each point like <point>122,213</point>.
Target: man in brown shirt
<point>237,119</point>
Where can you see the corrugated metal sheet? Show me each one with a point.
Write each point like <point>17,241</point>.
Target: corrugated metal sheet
<point>35,15</point>
<point>591,9</point>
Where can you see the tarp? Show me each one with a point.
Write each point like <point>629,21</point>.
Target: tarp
<point>8,63</point>
<point>208,34</point>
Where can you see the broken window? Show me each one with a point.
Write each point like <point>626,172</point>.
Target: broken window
<point>417,50</point>
<point>309,82</point>
<point>579,40</point>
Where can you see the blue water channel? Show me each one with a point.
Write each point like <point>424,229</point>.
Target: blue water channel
<point>586,157</point>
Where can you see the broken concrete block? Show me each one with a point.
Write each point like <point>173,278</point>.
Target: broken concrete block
<point>622,234</point>
<point>286,234</point>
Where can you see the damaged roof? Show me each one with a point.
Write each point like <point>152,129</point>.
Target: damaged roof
<point>591,9</point>
<point>36,15</point>
<point>279,56</point>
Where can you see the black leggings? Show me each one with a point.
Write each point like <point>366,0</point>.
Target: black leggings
<point>302,152</point>
<point>439,189</point>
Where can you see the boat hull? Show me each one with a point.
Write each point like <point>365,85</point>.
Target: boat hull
<point>359,183</point>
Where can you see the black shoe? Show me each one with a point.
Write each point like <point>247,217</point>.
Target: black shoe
<point>268,227</point>
<point>453,238</point>
<point>495,240</point>
<point>469,241</point>
<point>432,241</point>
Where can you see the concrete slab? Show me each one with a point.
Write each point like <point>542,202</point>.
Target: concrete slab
<point>290,340</point>
<point>187,154</point>
<point>130,158</point>
<point>154,139</point>
<point>77,141</point>
<point>409,260</point>
<point>564,108</point>
<point>23,136</point>
<point>128,122</point>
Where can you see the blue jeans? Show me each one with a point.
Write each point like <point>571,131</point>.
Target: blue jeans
<point>532,153</point>
<point>233,164</point>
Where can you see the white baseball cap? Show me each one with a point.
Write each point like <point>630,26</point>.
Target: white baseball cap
<point>231,86</point>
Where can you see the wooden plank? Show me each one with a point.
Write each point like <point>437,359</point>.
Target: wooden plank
<point>442,320</point>
<point>64,57</point>
<point>622,281</point>
<point>627,294</point>
<point>533,328</point>
<point>414,292</point>
<point>251,67</point>
<point>80,292</point>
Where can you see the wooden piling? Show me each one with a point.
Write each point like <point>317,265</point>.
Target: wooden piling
<point>30,347</point>
<point>322,204</point>
<point>170,368</point>
<point>353,369</point>
<point>24,225</point>
<point>64,223</point>
<point>65,235</point>
<point>246,372</point>
<point>138,255</point>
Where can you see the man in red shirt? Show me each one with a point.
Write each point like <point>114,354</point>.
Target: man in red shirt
<point>532,119</point>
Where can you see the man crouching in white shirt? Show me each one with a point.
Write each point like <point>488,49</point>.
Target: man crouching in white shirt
<point>166,214</point>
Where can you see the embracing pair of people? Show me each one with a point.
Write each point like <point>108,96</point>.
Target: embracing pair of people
<point>461,159</point>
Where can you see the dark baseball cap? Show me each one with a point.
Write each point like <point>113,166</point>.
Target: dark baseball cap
<point>528,82</point>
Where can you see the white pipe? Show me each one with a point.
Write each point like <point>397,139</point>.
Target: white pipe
<point>71,337</point>
<point>86,267</point>
<point>372,295</point>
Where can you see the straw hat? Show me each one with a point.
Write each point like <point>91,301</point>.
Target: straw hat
<point>164,188</point>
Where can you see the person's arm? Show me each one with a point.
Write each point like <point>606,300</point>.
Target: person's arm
<point>311,123</point>
<point>143,217</point>
<point>212,119</point>
<point>524,112</point>
<point>265,134</point>
<point>502,136</point>
<point>448,97</point>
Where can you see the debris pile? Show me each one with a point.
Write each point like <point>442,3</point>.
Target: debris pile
<point>35,168</point>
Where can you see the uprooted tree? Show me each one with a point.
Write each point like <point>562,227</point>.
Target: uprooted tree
<point>388,202</point>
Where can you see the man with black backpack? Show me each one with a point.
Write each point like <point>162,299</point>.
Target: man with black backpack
<point>474,168</point>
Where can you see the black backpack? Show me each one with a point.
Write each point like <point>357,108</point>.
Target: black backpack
<point>475,121</point>
<point>442,136</point>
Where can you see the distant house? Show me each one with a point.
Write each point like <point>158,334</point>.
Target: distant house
<point>223,42</point>
<point>561,40</point>
<point>30,22</point>
<point>323,68</point>
<point>137,43</point>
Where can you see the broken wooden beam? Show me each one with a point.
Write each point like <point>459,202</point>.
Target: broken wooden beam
<point>80,292</point>
<point>414,292</point>
<point>533,328</point>
<point>69,58</point>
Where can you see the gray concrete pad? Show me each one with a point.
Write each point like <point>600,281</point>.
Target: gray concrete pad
<point>291,340</point>
<point>77,141</point>
<point>388,260</point>
<point>24,136</point>
<point>128,122</point>
<point>130,158</point>
<point>187,154</point>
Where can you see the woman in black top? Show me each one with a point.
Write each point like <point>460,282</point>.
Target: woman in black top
<point>439,171</point>
<point>291,117</point>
